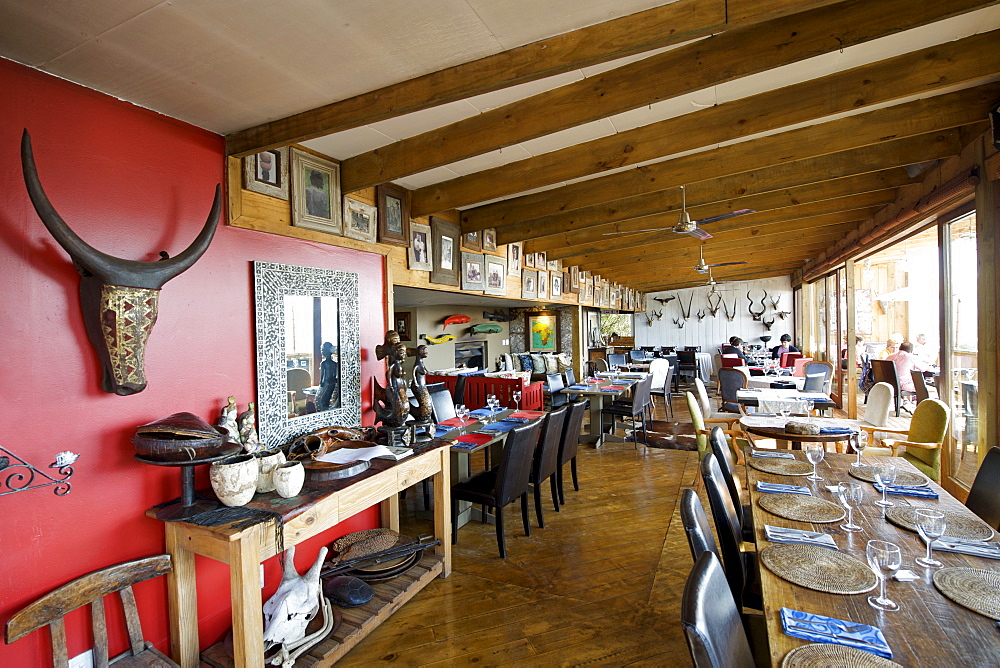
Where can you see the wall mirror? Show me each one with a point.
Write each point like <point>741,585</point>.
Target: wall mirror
<point>308,350</point>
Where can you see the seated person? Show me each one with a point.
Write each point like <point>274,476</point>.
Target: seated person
<point>785,347</point>
<point>734,348</point>
<point>905,361</point>
<point>891,346</point>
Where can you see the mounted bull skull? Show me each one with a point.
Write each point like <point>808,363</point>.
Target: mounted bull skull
<point>118,297</point>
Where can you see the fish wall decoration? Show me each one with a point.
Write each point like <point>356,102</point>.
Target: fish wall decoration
<point>459,319</point>
<point>435,340</point>
<point>486,328</point>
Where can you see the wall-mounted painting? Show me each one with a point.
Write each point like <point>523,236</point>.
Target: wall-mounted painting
<point>489,239</point>
<point>445,253</point>
<point>473,270</point>
<point>496,275</point>
<point>529,284</point>
<point>543,284</point>
<point>542,333</point>
<point>359,220</point>
<point>267,172</point>
<point>315,193</point>
<point>393,204</point>
<point>514,259</point>
<point>472,241</point>
<point>420,248</point>
<point>402,325</point>
<point>540,263</point>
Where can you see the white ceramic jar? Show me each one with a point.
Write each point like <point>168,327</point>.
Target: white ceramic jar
<point>234,479</point>
<point>267,462</point>
<point>288,479</point>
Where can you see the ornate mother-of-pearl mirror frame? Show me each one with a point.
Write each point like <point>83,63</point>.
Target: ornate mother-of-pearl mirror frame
<point>271,283</point>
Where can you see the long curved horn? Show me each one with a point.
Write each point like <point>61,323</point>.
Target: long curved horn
<point>108,268</point>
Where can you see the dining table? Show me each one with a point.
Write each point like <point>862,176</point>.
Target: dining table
<point>766,381</point>
<point>764,398</point>
<point>832,430</point>
<point>928,629</point>
<point>601,391</point>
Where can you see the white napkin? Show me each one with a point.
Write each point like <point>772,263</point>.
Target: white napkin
<point>774,454</point>
<point>783,535</point>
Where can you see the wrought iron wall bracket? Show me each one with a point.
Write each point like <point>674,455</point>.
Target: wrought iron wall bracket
<point>18,475</point>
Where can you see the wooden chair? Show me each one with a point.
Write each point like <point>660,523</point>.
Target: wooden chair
<point>546,460</point>
<point>570,444</point>
<point>500,486</point>
<point>92,588</point>
<point>919,386</point>
<point>825,368</point>
<point>699,423</point>
<point>731,381</point>
<point>984,496</point>
<point>710,415</point>
<point>711,618</point>
<point>924,437</point>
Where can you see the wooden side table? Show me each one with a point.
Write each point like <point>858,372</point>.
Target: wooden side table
<point>316,509</point>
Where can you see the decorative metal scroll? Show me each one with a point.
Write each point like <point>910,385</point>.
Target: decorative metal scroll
<point>18,475</point>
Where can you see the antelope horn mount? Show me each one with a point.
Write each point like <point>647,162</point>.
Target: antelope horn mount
<point>730,316</point>
<point>119,298</point>
<point>768,323</point>
<point>757,315</point>
<point>679,322</point>
<point>649,320</point>
<point>701,314</point>
<point>783,314</point>
<point>658,314</point>
<point>713,307</point>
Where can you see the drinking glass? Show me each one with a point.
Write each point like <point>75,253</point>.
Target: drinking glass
<point>885,474</point>
<point>492,402</point>
<point>850,495</point>
<point>462,411</point>
<point>516,396</point>
<point>930,526</point>
<point>809,405</point>
<point>884,559</point>
<point>814,453</point>
<point>860,443</point>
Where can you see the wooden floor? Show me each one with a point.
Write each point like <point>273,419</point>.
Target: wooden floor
<point>601,584</point>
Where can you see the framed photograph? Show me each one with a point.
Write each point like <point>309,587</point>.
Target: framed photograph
<point>402,325</point>
<point>557,283</point>
<point>473,271</point>
<point>540,263</point>
<point>496,275</point>
<point>359,220</point>
<point>542,333</point>
<point>393,204</point>
<point>529,284</point>
<point>472,241</point>
<point>267,173</point>
<point>588,290</point>
<point>315,193</point>
<point>543,284</point>
<point>529,260</point>
<point>445,253</point>
<point>574,278</point>
<point>420,248</point>
<point>514,259</point>
<point>554,265</point>
<point>489,239</point>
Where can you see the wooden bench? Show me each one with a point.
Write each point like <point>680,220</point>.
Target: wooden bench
<point>477,388</point>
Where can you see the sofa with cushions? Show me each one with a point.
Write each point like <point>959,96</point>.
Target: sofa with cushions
<point>502,384</point>
<point>538,364</point>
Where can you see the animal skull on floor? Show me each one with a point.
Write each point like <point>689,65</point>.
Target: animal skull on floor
<point>294,604</point>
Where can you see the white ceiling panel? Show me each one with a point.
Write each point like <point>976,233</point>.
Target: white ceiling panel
<point>518,22</point>
<point>424,120</point>
<point>489,160</point>
<point>349,143</point>
<point>661,111</point>
<point>498,98</point>
<point>428,178</point>
<point>569,137</point>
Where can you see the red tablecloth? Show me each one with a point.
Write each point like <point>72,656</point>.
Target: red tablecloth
<point>478,439</point>
<point>455,422</point>
<point>530,415</point>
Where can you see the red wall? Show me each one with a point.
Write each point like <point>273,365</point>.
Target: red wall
<point>130,182</point>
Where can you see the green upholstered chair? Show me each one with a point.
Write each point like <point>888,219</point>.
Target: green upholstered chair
<point>923,440</point>
<point>735,438</point>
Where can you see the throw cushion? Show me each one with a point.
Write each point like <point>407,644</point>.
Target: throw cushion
<point>551,364</point>
<point>507,361</point>
<point>564,362</point>
<point>526,363</point>
<point>537,363</point>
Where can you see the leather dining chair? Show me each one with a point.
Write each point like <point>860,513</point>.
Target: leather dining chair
<point>635,409</point>
<point>556,387</point>
<point>699,532</point>
<point>741,567</point>
<point>920,390</point>
<point>731,381</point>
<point>570,443</point>
<point>687,365</point>
<point>711,619</point>
<point>501,485</point>
<point>546,460</point>
<point>984,496</point>
<point>93,588</point>
<point>616,360</point>
<point>723,452</point>
<point>815,382</point>
<point>442,402</point>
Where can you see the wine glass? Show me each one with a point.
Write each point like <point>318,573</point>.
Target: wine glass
<point>808,405</point>
<point>850,495</point>
<point>884,559</point>
<point>885,475</point>
<point>491,401</point>
<point>462,411</point>
<point>814,453</point>
<point>930,526</point>
<point>860,443</point>
<point>516,396</point>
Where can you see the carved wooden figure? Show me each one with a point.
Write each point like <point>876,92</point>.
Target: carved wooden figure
<point>423,411</point>
<point>391,405</point>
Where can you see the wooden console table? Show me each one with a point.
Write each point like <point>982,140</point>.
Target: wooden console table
<point>319,507</point>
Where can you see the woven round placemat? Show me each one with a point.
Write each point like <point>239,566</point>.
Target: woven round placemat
<point>801,508</point>
<point>818,568</point>
<point>974,588</point>
<point>824,656</point>
<point>906,478</point>
<point>958,525</point>
<point>780,466</point>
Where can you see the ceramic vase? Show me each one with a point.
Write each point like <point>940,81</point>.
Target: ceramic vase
<point>288,479</point>
<point>267,462</point>
<point>234,479</point>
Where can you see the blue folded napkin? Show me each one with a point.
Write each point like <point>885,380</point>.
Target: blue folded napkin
<point>486,411</point>
<point>822,629</point>
<point>783,535</point>
<point>902,490</point>
<point>836,430</point>
<point>779,488</point>
<point>500,427</point>
<point>516,420</point>
<point>438,430</point>
<point>462,445</point>
<point>609,390</point>
<point>578,386</point>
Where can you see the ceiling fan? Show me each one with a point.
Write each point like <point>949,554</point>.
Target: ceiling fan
<point>701,267</point>
<point>687,226</point>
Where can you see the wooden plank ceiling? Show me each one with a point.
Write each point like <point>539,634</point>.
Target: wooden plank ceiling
<point>813,159</point>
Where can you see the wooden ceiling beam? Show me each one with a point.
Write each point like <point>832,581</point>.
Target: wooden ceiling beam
<point>769,208</point>
<point>865,163</point>
<point>723,57</point>
<point>660,285</point>
<point>919,72</point>
<point>934,114</point>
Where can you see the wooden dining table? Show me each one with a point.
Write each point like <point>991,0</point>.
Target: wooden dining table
<point>928,629</point>
<point>595,392</point>
<point>773,427</point>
